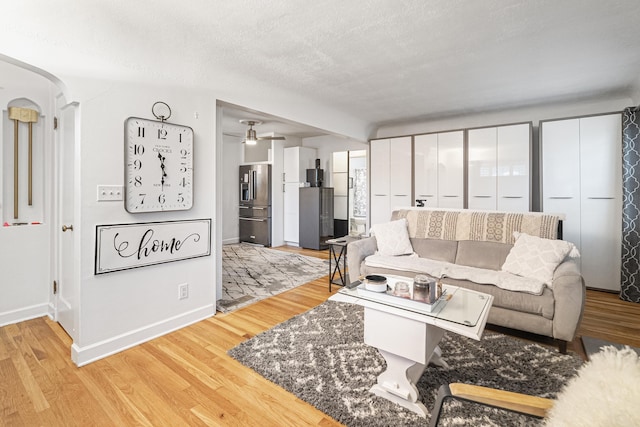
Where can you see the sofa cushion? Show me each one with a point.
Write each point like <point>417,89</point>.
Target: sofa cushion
<point>440,250</point>
<point>535,257</point>
<point>489,255</point>
<point>392,238</point>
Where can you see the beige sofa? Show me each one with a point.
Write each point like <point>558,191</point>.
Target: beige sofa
<point>484,240</point>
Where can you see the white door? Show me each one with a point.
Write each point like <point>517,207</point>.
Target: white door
<point>513,160</point>
<point>66,304</point>
<point>561,174</point>
<point>425,166</point>
<point>291,164</point>
<point>482,183</point>
<point>400,176</point>
<point>451,170</point>
<point>601,200</point>
<point>379,179</point>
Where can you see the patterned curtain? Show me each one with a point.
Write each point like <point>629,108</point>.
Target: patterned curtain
<point>630,286</point>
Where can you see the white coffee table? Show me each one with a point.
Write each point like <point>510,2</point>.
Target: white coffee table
<point>408,337</point>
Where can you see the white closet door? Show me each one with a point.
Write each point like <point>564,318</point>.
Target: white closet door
<point>513,174</point>
<point>561,174</point>
<point>400,173</point>
<point>380,209</point>
<point>482,160</point>
<point>601,200</point>
<point>425,165</point>
<point>601,243</point>
<point>561,158</point>
<point>379,170</point>
<point>600,156</point>
<point>451,170</point>
<point>379,178</point>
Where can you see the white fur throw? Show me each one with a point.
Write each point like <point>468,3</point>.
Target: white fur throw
<point>605,393</point>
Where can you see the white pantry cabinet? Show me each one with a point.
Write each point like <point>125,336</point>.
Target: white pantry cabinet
<point>582,179</point>
<point>391,176</point>
<point>439,169</point>
<point>499,164</point>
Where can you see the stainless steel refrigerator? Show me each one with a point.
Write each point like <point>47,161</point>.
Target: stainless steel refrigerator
<point>255,204</point>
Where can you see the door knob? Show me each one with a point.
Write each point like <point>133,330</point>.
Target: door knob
<point>67,227</point>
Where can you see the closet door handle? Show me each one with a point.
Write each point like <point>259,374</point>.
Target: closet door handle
<point>446,195</point>
<point>482,197</point>
<point>425,195</point>
<point>601,198</point>
<point>561,197</point>
<point>512,197</point>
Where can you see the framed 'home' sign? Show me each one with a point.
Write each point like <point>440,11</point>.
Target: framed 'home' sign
<point>125,246</point>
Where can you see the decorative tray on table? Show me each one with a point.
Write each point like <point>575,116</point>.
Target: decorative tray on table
<point>408,301</point>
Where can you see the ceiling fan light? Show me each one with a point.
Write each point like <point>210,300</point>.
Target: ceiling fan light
<point>251,137</point>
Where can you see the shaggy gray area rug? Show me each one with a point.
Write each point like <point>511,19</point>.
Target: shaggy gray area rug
<point>251,273</point>
<point>320,357</point>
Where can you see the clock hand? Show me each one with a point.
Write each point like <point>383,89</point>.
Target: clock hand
<point>164,174</point>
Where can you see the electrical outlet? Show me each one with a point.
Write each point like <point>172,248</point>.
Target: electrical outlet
<point>109,192</point>
<point>183,291</point>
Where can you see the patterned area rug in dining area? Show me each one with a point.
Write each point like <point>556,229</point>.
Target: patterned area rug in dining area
<point>320,356</point>
<point>251,273</point>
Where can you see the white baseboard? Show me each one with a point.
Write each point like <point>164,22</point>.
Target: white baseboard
<point>230,240</point>
<point>22,314</point>
<point>90,353</point>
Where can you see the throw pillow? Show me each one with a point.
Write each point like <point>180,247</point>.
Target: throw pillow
<point>392,238</point>
<point>605,392</point>
<point>537,258</point>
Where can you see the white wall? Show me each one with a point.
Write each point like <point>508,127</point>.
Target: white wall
<point>25,262</point>
<point>123,308</point>
<point>232,155</point>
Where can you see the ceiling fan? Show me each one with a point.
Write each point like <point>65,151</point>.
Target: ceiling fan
<point>251,138</point>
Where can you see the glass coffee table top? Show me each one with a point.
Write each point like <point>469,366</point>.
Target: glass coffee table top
<point>457,305</point>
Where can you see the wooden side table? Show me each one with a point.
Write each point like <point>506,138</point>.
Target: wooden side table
<point>338,260</point>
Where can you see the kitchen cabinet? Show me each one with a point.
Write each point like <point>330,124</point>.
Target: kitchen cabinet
<point>582,179</point>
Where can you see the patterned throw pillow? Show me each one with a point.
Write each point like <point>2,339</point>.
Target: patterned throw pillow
<point>537,258</point>
<point>392,238</point>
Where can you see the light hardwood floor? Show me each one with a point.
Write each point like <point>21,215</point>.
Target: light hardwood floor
<point>186,378</point>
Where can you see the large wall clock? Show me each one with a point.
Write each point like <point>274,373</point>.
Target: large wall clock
<point>158,166</point>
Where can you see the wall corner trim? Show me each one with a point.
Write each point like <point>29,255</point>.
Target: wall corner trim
<point>84,355</point>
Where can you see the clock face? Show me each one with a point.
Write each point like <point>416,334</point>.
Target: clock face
<point>158,166</point>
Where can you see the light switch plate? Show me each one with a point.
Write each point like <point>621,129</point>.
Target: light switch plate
<point>109,192</point>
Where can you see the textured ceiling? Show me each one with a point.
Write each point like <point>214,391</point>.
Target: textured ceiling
<point>381,61</point>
